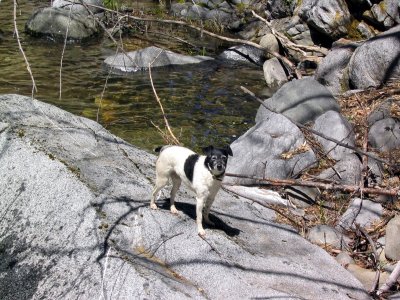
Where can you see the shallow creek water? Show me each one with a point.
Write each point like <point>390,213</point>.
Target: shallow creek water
<point>203,105</point>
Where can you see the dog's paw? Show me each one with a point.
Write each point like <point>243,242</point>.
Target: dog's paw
<point>202,233</point>
<point>153,206</point>
<point>174,210</point>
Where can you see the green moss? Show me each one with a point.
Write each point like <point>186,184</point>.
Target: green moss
<point>353,33</point>
<point>21,133</point>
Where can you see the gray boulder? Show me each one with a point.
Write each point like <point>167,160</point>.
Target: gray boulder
<point>197,12</point>
<point>300,100</point>
<point>362,212</point>
<point>297,31</point>
<point>280,8</point>
<point>386,13</point>
<point>259,152</point>
<point>75,223</point>
<point>270,43</point>
<point>53,22</point>
<point>376,61</point>
<point>392,241</point>
<point>244,53</point>
<point>334,125</point>
<point>384,135</point>
<point>274,73</point>
<point>332,72</point>
<point>141,59</point>
<point>219,16</point>
<point>383,111</point>
<point>77,7</point>
<point>365,30</point>
<point>330,17</point>
<point>346,171</point>
<point>326,235</point>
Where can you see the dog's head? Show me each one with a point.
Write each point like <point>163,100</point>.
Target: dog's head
<point>216,159</point>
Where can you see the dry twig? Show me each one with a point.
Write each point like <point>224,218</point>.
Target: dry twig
<point>28,67</point>
<point>325,186</point>
<point>174,139</point>
<point>393,278</point>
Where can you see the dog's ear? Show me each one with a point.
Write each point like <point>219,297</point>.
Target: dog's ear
<point>207,150</point>
<point>229,150</point>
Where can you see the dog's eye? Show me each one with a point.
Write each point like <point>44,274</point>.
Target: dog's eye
<point>213,157</point>
<point>223,157</point>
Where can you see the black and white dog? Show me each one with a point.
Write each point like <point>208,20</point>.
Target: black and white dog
<point>201,173</point>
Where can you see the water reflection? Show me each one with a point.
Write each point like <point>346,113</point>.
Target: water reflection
<point>203,105</point>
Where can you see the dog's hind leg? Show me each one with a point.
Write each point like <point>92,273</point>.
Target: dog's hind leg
<point>161,181</point>
<point>176,183</point>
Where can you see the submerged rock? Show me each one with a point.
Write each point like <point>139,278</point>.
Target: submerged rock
<point>76,223</point>
<point>151,56</point>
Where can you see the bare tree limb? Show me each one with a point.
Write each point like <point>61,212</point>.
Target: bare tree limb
<point>326,186</point>
<point>394,276</point>
<point>375,255</point>
<point>296,224</point>
<point>289,44</point>
<point>174,139</point>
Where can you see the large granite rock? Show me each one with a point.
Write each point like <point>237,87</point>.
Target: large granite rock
<point>343,132</point>
<point>330,17</point>
<point>269,149</point>
<point>300,100</point>
<point>384,135</point>
<point>155,57</point>
<point>332,72</point>
<point>376,61</point>
<point>75,223</point>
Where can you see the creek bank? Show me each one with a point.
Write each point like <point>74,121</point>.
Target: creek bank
<point>75,203</point>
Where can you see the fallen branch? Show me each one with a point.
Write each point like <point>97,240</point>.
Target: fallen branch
<point>299,226</point>
<point>375,255</point>
<point>174,139</point>
<point>288,43</point>
<point>325,186</point>
<point>394,276</point>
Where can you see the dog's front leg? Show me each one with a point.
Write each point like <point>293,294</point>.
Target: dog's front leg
<point>199,215</point>
<point>207,208</point>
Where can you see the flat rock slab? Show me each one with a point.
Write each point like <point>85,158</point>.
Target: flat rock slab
<point>75,223</point>
<point>151,56</point>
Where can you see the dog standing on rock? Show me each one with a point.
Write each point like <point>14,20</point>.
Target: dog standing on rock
<point>201,173</point>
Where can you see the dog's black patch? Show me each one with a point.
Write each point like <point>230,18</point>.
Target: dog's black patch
<point>190,162</point>
<point>158,149</point>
